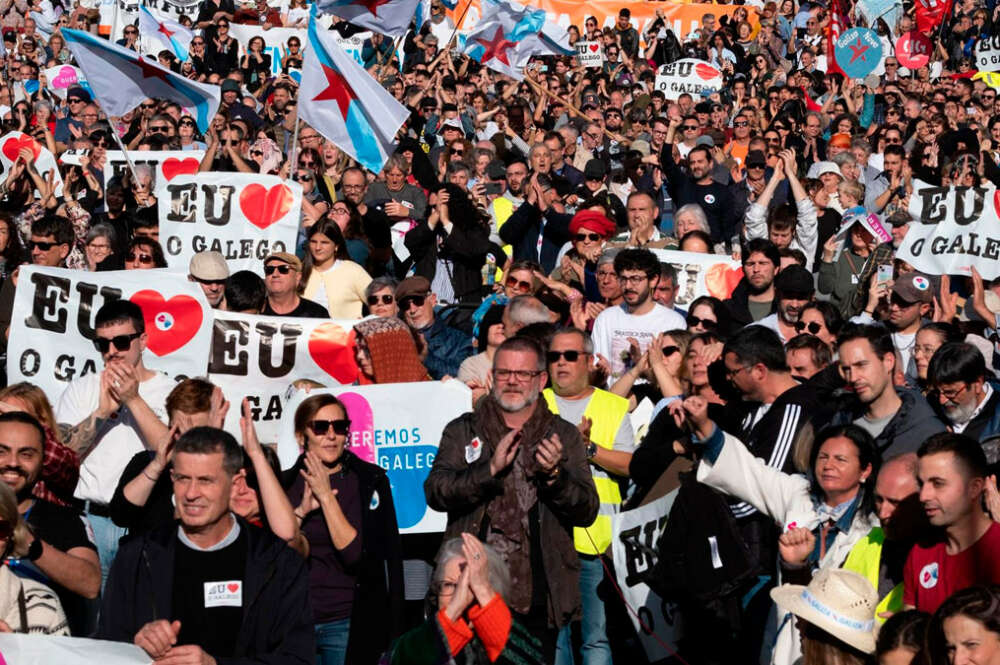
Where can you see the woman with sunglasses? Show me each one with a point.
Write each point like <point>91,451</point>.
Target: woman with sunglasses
<point>346,510</point>
<point>26,606</point>
<point>708,314</point>
<point>144,254</point>
<point>187,132</point>
<point>821,319</point>
<point>332,280</point>
<point>297,15</point>
<point>662,365</point>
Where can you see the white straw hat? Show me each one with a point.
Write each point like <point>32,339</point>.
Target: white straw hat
<point>840,602</point>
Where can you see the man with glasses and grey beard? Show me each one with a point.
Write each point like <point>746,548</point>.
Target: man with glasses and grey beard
<point>517,474</point>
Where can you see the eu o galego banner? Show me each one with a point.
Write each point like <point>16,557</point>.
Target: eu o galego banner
<point>397,426</point>
<point>701,274</point>
<point>52,330</point>
<point>243,216</point>
<point>166,164</point>
<point>258,357</point>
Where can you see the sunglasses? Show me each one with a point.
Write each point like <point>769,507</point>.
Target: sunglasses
<point>321,427</point>
<point>74,100</point>
<point>186,123</point>
<point>308,163</point>
<point>813,327</point>
<point>384,300</point>
<point>707,324</point>
<point>670,350</point>
<point>159,129</point>
<point>571,356</point>
<point>690,128</point>
<point>302,177</point>
<point>592,237</point>
<point>513,282</point>
<point>740,124</point>
<point>283,269</point>
<point>456,152</point>
<point>405,303</point>
<point>256,153</point>
<point>44,246</point>
<point>148,106</point>
<point>121,342</point>
<point>140,258</point>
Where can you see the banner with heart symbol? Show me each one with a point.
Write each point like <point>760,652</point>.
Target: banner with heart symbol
<point>60,79</point>
<point>397,426</point>
<point>259,357</point>
<point>954,230</point>
<point>51,332</point>
<point>166,165</point>
<point>244,216</point>
<point>11,145</point>
<point>689,75</point>
<point>590,54</point>
<point>701,275</point>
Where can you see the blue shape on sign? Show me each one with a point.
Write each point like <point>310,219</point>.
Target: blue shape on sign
<point>858,52</point>
<point>407,468</point>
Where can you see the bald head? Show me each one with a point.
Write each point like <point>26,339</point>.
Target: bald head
<point>895,490</point>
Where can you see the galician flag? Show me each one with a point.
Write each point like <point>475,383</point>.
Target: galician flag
<point>509,34</point>
<point>165,30</point>
<point>343,103</point>
<point>389,17</point>
<point>122,78</point>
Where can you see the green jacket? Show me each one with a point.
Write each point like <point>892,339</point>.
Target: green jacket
<point>427,645</point>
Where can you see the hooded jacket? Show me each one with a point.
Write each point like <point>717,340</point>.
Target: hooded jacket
<point>905,431</point>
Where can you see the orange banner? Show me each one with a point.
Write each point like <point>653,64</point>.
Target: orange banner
<point>681,18</point>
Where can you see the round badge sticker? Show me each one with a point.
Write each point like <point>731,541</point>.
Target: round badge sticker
<point>921,283</point>
<point>929,576</point>
<point>164,321</point>
<point>709,199</point>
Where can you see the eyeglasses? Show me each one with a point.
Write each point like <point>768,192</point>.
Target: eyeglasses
<point>140,258</point>
<point>741,124</point>
<point>307,163</point>
<point>283,269</point>
<point>148,106</point>
<point>812,327</point>
<point>405,303</point>
<point>707,324</point>
<point>952,395</point>
<point>513,282</point>
<point>256,153</point>
<point>128,32</point>
<point>74,100</point>
<point>383,299</point>
<point>44,246</point>
<point>633,279</point>
<point>892,64</point>
<point>521,375</point>
<point>670,350</point>
<point>222,25</point>
<point>121,342</point>
<point>571,356</point>
<point>302,177</point>
<point>893,141</point>
<point>732,373</point>
<point>320,427</point>
<point>159,129</point>
<point>899,302</point>
<point>584,237</point>
<point>456,152</point>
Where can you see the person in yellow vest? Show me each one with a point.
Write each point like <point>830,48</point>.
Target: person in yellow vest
<point>606,430</point>
<point>880,555</point>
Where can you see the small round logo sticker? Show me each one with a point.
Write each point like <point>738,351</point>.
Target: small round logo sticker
<point>929,576</point>
<point>375,501</point>
<point>164,321</point>
<point>921,283</point>
<point>709,199</point>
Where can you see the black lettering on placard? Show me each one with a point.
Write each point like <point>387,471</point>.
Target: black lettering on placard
<point>65,367</point>
<point>992,250</point>
<point>273,408</point>
<point>254,402</point>
<point>939,245</point>
<point>183,202</point>
<point>933,209</point>
<point>118,167</point>
<point>87,311</point>
<point>31,362</point>
<point>917,247</point>
<point>228,355</point>
<point>225,193</point>
<point>291,335</point>
<point>233,249</point>
<point>978,196</point>
<point>174,246</point>
<point>46,312</point>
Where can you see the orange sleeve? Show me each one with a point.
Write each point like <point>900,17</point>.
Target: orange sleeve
<point>492,624</point>
<point>457,633</point>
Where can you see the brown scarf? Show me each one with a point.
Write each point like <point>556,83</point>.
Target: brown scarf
<point>509,532</point>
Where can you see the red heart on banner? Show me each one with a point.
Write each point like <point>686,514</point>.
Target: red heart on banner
<point>262,206</point>
<point>234,587</point>
<point>706,72</point>
<point>720,280</point>
<point>332,348</point>
<point>173,167</point>
<point>594,47</point>
<point>996,201</point>
<point>12,146</point>
<point>170,324</point>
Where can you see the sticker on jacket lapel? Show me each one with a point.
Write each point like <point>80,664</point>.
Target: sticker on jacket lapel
<point>929,575</point>
<point>374,502</point>
<point>224,594</point>
<point>473,450</point>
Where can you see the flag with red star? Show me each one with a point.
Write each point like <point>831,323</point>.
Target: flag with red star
<point>388,17</point>
<point>509,34</point>
<point>121,79</point>
<point>161,30</point>
<point>341,101</point>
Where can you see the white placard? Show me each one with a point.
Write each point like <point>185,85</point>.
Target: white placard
<point>988,54</point>
<point>166,164</point>
<point>701,274</point>
<point>590,54</point>
<point>17,649</point>
<point>694,77</point>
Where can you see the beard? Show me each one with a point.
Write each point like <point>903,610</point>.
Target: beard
<point>512,402</point>
<point>960,413</point>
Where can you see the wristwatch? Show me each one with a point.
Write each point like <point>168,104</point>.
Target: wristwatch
<point>34,550</point>
<point>591,449</point>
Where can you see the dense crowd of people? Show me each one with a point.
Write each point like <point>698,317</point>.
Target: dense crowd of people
<point>828,427</point>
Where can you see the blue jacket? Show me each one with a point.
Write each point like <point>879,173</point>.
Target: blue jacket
<point>447,347</point>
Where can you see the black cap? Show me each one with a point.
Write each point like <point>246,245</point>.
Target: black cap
<point>495,170</point>
<point>595,170</point>
<point>794,280</point>
<point>624,12</point>
<point>703,107</point>
<point>756,158</point>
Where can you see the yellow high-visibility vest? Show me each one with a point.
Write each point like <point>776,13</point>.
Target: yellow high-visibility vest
<point>606,411</point>
<point>864,559</point>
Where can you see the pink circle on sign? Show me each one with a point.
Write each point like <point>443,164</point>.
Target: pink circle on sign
<point>362,436</point>
<point>913,49</point>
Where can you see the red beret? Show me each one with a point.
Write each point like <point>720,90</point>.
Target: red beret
<point>593,220</point>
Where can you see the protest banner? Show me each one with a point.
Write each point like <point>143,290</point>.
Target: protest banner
<point>690,75</point>
<point>116,14</point>
<point>166,164</point>
<point>397,426</point>
<point>244,216</point>
<point>913,49</point>
<point>258,357</point>
<point>954,229</point>
<point>630,529</point>
<point>52,329</point>
<point>11,145</point>
<point>275,41</point>
<point>60,79</point>
<point>988,54</point>
<point>681,18</point>
<point>701,274</point>
<point>858,51</point>
<point>590,54</point>
<point>32,649</point>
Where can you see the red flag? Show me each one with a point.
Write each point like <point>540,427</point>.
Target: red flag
<point>833,32</point>
<point>930,13</point>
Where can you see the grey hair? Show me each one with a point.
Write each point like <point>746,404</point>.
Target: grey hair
<point>862,144</point>
<point>844,158</point>
<point>102,230</point>
<point>535,147</point>
<point>699,215</point>
<point>588,342</point>
<point>608,256</point>
<point>144,171</point>
<point>497,570</point>
<point>378,284</point>
<point>43,104</point>
<point>525,310</point>
<point>396,161</point>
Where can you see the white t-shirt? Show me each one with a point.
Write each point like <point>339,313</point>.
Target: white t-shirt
<point>118,441</point>
<point>615,325</point>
